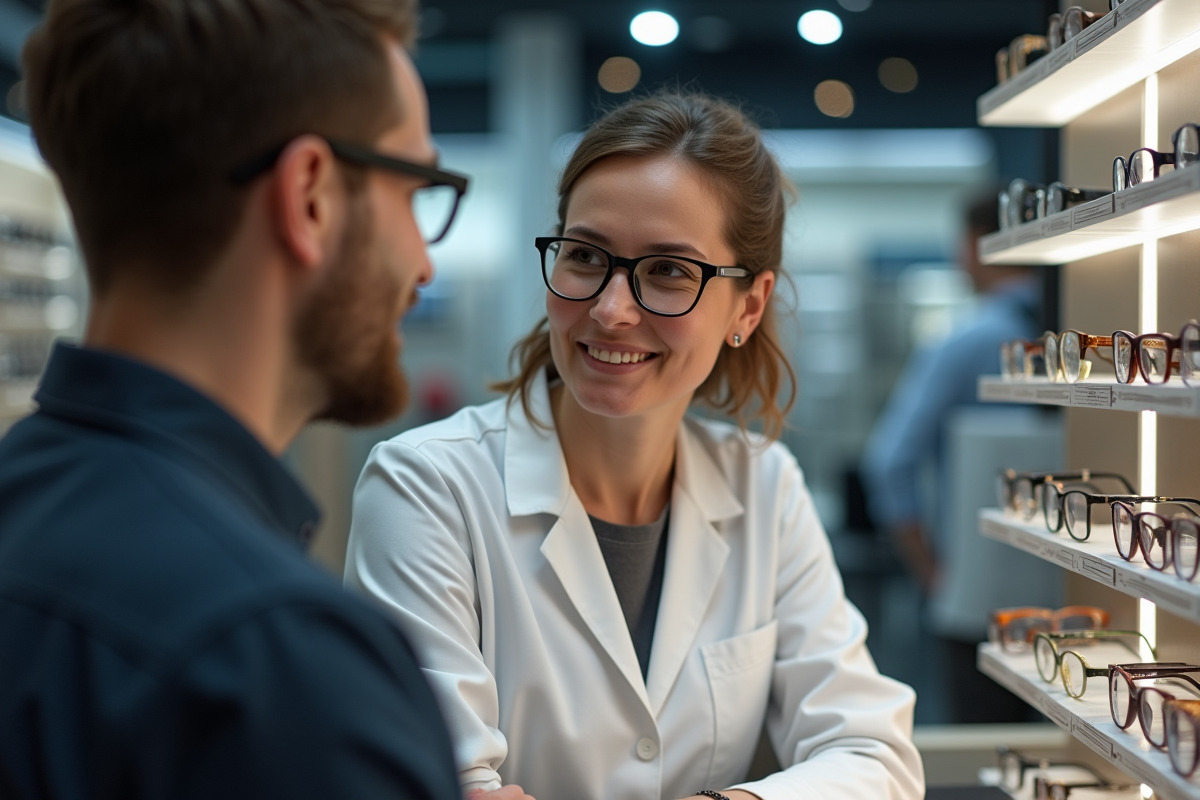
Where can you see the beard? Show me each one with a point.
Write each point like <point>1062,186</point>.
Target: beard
<point>345,332</point>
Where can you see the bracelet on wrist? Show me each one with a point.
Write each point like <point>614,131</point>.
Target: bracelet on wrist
<point>713,794</point>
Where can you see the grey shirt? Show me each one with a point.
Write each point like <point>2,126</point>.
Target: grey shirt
<point>635,555</point>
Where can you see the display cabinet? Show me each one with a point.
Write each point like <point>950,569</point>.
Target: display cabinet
<point>1129,260</point>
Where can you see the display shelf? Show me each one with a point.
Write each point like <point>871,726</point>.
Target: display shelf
<point>1088,718</point>
<point>1097,559</point>
<point>1138,39</point>
<point>1151,210</point>
<point>1173,398</point>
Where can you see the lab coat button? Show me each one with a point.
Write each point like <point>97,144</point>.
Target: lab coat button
<point>647,749</point>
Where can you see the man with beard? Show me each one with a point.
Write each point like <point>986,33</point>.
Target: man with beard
<point>242,177</point>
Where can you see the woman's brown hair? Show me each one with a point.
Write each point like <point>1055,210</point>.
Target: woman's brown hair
<point>727,148</point>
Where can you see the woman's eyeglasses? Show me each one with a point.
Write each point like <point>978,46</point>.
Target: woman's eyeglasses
<point>1014,628</point>
<point>1127,701</point>
<point>667,285</point>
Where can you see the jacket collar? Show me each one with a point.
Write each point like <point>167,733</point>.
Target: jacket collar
<point>535,472</point>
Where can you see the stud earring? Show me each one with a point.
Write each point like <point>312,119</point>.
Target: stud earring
<point>737,340</point>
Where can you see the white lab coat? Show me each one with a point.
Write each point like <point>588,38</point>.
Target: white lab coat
<point>469,533</point>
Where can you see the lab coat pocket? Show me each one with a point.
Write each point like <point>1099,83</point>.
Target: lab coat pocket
<point>739,679</point>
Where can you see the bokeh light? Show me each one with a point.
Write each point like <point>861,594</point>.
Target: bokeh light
<point>834,98</point>
<point>820,27</point>
<point>619,74</point>
<point>898,75</point>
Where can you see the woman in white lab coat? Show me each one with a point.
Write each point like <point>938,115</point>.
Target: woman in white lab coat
<point>612,597</point>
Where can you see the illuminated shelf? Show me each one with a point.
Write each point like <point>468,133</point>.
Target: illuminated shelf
<point>1110,55</point>
<point>1173,398</point>
<point>1153,210</point>
<point>1088,718</point>
<point>1096,559</point>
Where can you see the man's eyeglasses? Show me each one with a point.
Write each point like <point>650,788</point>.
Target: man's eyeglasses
<point>667,285</point>
<point>1128,701</point>
<point>434,204</point>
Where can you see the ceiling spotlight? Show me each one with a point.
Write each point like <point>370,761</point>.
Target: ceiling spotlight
<point>654,28</point>
<point>855,5</point>
<point>819,27</point>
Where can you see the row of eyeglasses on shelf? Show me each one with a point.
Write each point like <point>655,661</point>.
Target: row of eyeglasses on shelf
<point>1080,500</point>
<point>1162,696</point>
<point>1024,201</point>
<point>1061,27</point>
<point>1030,777</point>
<point>1061,356</point>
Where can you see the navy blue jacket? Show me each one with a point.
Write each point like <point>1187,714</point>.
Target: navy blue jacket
<point>163,635</point>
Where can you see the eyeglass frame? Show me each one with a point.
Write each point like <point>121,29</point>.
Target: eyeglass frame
<point>1123,167</point>
<point>1093,499</point>
<point>1165,669</point>
<point>1174,344</point>
<point>1067,197</point>
<point>1023,350</point>
<point>1059,368</point>
<point>1190,709</point>
<point>1000,619</point>
<point>364,156</point>
<point>1043,784</point>
<point>1026,763</point>
<point>707,271</point>
<point>1138,541</point>
<point>1009,478</point>
<point>1083,636</point>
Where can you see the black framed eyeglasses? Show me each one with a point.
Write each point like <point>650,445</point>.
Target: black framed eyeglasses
<point>1072,508</point>
<point>434,204</point>
<point>667,285</point>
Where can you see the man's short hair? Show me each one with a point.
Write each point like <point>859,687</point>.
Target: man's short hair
<point>144,107</point>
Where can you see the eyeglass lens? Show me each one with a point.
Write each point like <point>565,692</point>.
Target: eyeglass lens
<point>1181,739</point>
<point>1185,547</point>
<point>434,207</point>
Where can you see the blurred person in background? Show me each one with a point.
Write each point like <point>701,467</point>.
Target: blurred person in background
<point>614,595</point>
<point>241,175</point>
<point>935,432</point>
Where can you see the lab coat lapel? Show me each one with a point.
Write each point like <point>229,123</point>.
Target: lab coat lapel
<point>536,482</point>
<point>696,555</point>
